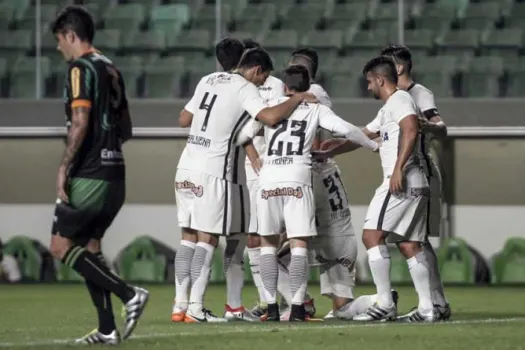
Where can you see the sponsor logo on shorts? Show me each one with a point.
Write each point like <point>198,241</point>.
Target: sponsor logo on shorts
<point>349,264</point>
<point>197,190</point>
<point>340,214</point>
<point>419,192</point>
<point>283,191</point>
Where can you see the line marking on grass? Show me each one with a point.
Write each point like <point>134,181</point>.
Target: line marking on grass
<point>282,327</point>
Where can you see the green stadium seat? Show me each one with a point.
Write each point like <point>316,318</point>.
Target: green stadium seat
<point>3,68</point>
<point>306,16</point>
<point>128,62</point>
<point>366,41</point>
<point>508,265</point>
<point>325,41</point>
<point>436,16</point>
<point>482,15</point>
<point>65,273</point>
<point>419,41</point>
<point>95,11</point>
<point>24,80</point>
<point>170,18</point>
<point>482,79</point>
<point>174,63</point>
<point>502,42</point>
<point>456,262</point>
<point>193,40</point>
<point>48,14</point>
<point>162,82</point>
<point>437,72</point>
<point>281,40</point>
<point>243,35</point>
<point>126,17</point>
<point>27,256</point>
<point>343,14</point>
<point>217,267</point>
<point>140,262</point>
<point>459,42</point>
<point>205,19</point>
<point>251,18</point>
<point>108,41</point>
<point>515,86</point>
<point>280,58</point>
<point>386,15</point>
<point>237,7</point>
<point>145,44</point>
<point>344,84</point>
<point>518,11</point>
<point>130,75</point>
<point>7,15</point>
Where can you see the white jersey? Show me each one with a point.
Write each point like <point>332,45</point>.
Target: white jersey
<point>426,104</point>
<point>288,157</point>
<point>221,105</point>
<point>398,106</point>
<point>272,89</point>
<point>321,95</point>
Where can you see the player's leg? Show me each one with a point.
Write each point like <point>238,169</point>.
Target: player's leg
<point>254,254</point>
<point>378,256</point>
<point>301,205</point>
<point>87,198</point>
<point>184,197</point>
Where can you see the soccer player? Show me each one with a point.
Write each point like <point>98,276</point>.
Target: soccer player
<point>285,200</point>
<point>91,177</point>
<point>432,126</point>
<point>209,169</point>
<point>398,210</point>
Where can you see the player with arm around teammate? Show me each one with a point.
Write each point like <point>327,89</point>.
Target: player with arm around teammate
<point>210,168</point>
<point>285,200</point>
<point>398,212</point>
<point>432,126</point>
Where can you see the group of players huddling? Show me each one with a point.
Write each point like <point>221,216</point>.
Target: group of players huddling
<point>286,202</point>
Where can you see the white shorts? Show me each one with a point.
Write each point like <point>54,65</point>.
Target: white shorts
<point>404,218</point>
<point>286,207</point>
<point>253,188</point>
<point>209,204</point>
<point>336,256</point>
<point>435,203</point>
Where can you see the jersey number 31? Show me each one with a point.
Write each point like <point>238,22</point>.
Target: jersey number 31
<point>297,130</point>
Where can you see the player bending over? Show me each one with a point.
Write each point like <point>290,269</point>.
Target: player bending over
<point>209,169</point>
<point>432,126</point>
<point>285,200</point>
<point>91,177</point>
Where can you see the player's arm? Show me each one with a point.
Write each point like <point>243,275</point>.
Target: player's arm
<point>331,122</point>
<point>409,132</point>
<point>431,121</point>
<point>254,104</point>
<point>81,90</point>
<point>185,118</point>
<point>186,115</point>
<point>253,156</point>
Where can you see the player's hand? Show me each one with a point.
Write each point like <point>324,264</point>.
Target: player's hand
<point>61,185</point>
<point>257,165</point>
<point>309,97</point>
<point>379,142</point>
<point>424,123</point>
<point>396,182</point>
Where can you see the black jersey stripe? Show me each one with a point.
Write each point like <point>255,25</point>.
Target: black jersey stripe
<point>233,136</point>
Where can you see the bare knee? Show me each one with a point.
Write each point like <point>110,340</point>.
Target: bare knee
<point>189,234</point>
<point>208,238</point>
<point>59,246</point>
<point>270,241</point>
<point>301,242</point>
<point>254,241</point>
<point>373,238</point>
<point>93,246</point>
<point>409,249</point>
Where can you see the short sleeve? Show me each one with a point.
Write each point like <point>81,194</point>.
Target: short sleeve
<point>193,103</point>
<point>80,85</point>
<point>375,125</point>
<point>402,106</point>
<point>250,100</point>
<point>321,95</point>
<point>278,90</point>
<point>425,100</point>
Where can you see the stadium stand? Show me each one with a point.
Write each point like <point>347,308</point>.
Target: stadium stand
<point>476,47</point>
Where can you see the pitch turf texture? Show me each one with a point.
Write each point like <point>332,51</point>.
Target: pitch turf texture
<point>49,316</point>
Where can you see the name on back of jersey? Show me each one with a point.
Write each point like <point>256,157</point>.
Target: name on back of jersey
<point>199,140</point>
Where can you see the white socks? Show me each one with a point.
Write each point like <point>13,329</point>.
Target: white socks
<point>269,273</point>
<point>418,266</point>
<point>298,274</point>
<point>379,261</point>
<point>234,269</point>
<point>200,275</point>
<point>254,254</point>
<point>183,259</point>
<point>436,285</point>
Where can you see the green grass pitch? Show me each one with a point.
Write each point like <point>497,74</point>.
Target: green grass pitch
<point>50,316</point>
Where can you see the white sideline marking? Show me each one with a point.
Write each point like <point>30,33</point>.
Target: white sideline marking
<point>283,327</point>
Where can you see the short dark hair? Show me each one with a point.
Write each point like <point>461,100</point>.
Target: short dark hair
<point>400,54</point>
<point>229,52</point>
<point>77,19</point>
<point>382,65</point>
<point>256,57</point>
<point>296,78</point>
<point>311,55</point>
<point>251,44</point>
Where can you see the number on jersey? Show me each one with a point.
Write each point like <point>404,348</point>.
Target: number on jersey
<point>295,128</point>
<point>207,107</point>
<point>329,182</point>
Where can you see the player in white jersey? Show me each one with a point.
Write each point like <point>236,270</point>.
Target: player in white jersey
<point>286,200</point>
<point>398,212</point>
<point>433,126</point>
<point>209,171</point>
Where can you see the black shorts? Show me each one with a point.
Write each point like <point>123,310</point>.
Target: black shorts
<point>93,205</point>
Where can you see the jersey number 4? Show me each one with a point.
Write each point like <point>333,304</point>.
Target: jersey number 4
<point>337,202</point>
<point>297,130</point>
<point>207,107</point>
